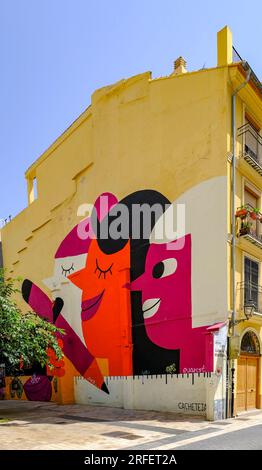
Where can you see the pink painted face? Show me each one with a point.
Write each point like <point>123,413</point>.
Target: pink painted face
<point>166,293</point>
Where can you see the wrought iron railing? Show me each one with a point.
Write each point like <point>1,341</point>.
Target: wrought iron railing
<point>251,143</point>
<point>236,56</point>
<point>249,222</point>
<point>5,221</point>
<point>250,293</point>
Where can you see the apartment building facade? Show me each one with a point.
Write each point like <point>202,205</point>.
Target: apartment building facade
<point>171,322</point>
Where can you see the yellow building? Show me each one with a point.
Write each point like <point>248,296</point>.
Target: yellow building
<point>161,307</point>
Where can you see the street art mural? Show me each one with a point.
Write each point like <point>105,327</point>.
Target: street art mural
<point>70,256</point>
<point>168,323</point>
<point>37,387</point>
<point>127,304</point>
<point>105,308</point>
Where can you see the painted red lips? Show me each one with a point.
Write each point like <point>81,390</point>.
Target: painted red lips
<point>90,306</point>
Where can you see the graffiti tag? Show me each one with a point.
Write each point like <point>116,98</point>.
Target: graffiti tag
<point>200,407</point>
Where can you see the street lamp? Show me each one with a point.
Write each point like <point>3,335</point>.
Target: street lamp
<point>249,309</point>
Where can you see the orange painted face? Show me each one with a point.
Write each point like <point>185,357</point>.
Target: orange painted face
<point>103,282</point>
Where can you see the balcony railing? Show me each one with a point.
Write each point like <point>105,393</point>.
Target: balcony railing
<point>250,293</point>
<point>236,56</point>
<point>249,224</point>
<point>251,146</point>
<point>5,221</point>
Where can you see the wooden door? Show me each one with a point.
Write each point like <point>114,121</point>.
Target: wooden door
<point>247,379</point>
<point>252,363</point>
<point>241,384</point>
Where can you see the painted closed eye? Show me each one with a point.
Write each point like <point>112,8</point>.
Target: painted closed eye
<point>67,271</point>
<point>103,271</point>
<point>164,268</point>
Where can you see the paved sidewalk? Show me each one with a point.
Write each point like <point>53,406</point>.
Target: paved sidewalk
<point>249,438</point>
<point>38,425</point>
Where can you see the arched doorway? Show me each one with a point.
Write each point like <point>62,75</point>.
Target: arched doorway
<point>247,372</point>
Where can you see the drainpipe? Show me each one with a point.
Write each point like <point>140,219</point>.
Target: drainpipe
<point>233,319</point>
<point>234,94</point>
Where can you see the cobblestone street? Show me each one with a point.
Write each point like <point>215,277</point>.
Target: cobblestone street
<point>37,425</point>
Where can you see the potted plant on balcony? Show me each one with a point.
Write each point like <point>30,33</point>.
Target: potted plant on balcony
<point>254,214</point>
<point>245,228</point>
<point>242,212</point>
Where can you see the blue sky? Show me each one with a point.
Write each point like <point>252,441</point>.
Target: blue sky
<point>55,53</point>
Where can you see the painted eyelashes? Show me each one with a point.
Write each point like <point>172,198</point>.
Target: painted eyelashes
<point>66,272</point>
<point>103,271</point>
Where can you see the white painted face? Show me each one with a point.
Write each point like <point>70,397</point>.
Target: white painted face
<point>61,286</point>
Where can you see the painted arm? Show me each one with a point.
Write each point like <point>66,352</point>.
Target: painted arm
<point>73,348</point>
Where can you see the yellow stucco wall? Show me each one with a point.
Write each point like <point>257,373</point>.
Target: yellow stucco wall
<point>166,134</point>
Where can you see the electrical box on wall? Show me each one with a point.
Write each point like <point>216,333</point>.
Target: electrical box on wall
<point>234,347</point>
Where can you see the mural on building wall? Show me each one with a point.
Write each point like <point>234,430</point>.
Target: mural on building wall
<point>168,323</point>
<point>70,255</point>
<point>37,387</point>
<point>127,305</point>
<point>37,383</point>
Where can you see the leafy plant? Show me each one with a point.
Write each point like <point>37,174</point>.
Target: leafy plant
<point>24,337</point>
<point>256,210</point>
<point>246,225</point>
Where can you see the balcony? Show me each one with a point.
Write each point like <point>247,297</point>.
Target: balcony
<point>249,224</point>
<point>252,146</point>
<point>250,293</point>
<point>236,57</point>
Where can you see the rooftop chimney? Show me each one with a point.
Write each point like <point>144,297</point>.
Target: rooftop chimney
<point>224,47</point>
<point>179,66</point>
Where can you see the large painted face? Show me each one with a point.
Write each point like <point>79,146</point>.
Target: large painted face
<point>166,291</point>
<point>104,298</point>
<point>70,256</point>
<point>60,286</point>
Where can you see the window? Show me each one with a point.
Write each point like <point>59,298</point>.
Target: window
<point>31,189</point>
<point>251,199</point>
<point>251,281</point>
<point>250,343</point>
<point>35,188</point>
<point>252,138</point>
